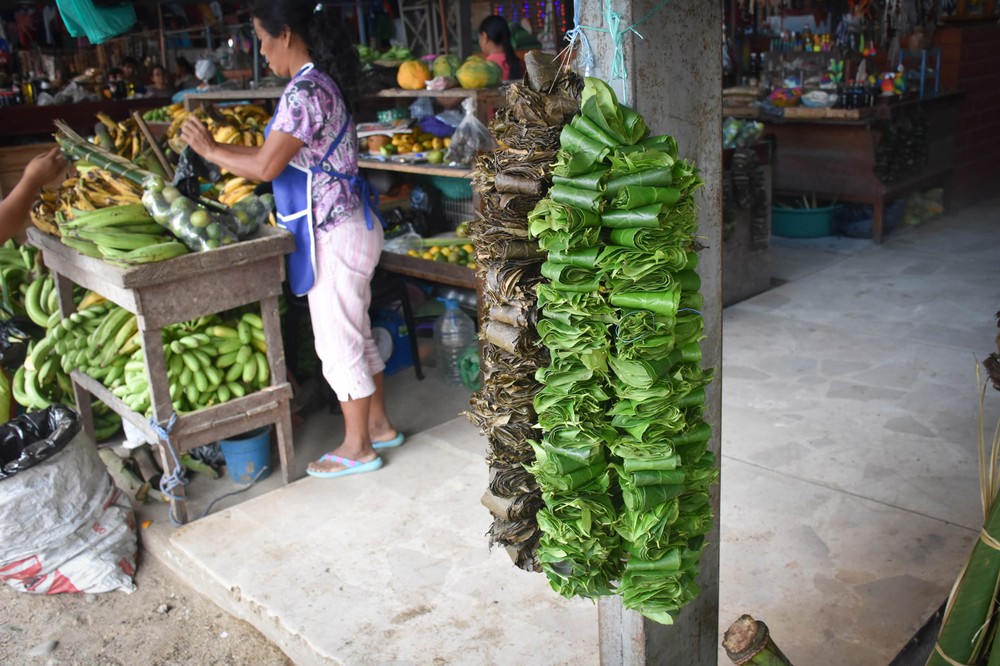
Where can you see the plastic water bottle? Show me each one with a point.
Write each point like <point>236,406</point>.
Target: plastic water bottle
<point>454,332</point>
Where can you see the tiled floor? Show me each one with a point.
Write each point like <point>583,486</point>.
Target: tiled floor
<point>849,494</point>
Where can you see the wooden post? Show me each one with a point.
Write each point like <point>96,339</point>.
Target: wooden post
<point>674,76</point>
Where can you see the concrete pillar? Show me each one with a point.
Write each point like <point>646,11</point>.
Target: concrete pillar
<point>674,77</point>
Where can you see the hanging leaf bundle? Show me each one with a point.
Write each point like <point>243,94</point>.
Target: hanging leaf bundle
<point>510,183</point>
<point>623,462</point>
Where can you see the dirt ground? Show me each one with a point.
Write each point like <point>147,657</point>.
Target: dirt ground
<point>163,622</point>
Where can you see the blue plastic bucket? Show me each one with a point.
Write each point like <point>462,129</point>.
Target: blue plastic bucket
<point>802,222</point>
<point>247,454</point>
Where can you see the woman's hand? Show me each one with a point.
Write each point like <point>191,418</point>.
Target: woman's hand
<point>197,136</point>
<point>44,168</point>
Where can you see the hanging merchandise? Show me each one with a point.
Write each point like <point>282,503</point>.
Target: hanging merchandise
<point>510,183</point>
<point>623,462</point>
<point>82,17</point>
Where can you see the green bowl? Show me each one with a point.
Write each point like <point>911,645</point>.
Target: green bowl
<point>802,222</point>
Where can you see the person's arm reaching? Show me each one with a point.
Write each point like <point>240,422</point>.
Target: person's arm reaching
<point>16,206</point>
<point>262,164</point>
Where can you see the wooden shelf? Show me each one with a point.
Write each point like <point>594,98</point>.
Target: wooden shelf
<point>451,93</point>
<point>175,290</point>
<point>422,169</point>
<point>432,271</point>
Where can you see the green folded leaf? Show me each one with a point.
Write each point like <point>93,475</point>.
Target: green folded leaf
<point>592,180</point>
<point>582,151</point>
<point>586,200</point>
<point>584,257</point>
<point>664,303</point>
<point>647,216</point>
<point>637,196</point>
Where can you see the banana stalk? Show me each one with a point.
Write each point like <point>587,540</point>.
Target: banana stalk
<point>75,145</point>
<point>748,643</point>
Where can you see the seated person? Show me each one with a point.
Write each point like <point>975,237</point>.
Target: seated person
<point>494,40</point>
<point>185,74</point>
<point>159,85</point>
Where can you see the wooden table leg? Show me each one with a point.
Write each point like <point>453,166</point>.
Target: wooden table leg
<point>276,362</point>
<point>878,210</point>
<point>163,409</point>
<point>82,397</point>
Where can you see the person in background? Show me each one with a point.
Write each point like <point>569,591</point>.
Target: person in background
<point>130,71</point>
<point>494,40</point>
<point>311,156</point>
<point>185,74</point>
<point>16,206</point>
<point>158,86</point>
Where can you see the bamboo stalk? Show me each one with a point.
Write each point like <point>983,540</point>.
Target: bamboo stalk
<point>748,643</point>
<point>154,144</point>
<point>75,145</point>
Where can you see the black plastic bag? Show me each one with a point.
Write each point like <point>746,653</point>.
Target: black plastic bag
<point>34,437</point>
<point>190,168</point>
<point>15,334</point>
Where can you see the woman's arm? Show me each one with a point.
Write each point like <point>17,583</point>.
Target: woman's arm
<point>16,206</point>
<point>261,164</point>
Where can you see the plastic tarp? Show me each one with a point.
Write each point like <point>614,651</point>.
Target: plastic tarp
<point>98,24</point>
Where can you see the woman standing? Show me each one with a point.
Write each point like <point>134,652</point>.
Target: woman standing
<point>494,40</point>
<point>311,156</point>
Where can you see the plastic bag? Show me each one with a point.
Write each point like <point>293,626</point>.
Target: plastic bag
<point>15,334</point>
<point>64,526</point>
<point>36,436</point>
<point>421,108</point>
<point>189,221</point>
<point>404,242</point>
<point>471,137</point>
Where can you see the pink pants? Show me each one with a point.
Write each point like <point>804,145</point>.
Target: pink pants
<point>346,256</point>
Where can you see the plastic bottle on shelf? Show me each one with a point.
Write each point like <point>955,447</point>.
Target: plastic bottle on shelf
<point>454,332</point>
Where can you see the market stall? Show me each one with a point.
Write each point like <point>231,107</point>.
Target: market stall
<point>852,100</point>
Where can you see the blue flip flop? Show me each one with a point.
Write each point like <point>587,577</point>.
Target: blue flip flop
<point>389,443</point>
<point>350,466</point>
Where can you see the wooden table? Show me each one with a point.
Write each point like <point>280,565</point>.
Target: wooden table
<point>834,159</point>
<point>432,271</point>
<point>176,290</point>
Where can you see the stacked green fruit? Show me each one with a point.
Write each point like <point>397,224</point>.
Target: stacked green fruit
<point>79,340</point>
<point>18,270</point>
<point>125,235</point>
<point>208,363</point>
<point>158,115</point>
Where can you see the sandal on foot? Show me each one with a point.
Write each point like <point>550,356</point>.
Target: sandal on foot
<point>389,443</point>
<point>350,466</point>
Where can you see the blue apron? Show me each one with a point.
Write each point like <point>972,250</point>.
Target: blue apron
<point>293,200</point>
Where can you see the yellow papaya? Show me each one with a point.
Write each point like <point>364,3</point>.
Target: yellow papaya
<point>478,73</point>
<point>412,75</point>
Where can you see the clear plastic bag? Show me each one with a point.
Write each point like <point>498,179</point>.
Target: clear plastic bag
<point>190,222</point>
<point>471,137</point>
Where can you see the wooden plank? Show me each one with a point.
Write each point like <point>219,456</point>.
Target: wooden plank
<point>495,95</point>
<point>187,298</point>
<point>194,100</point>
<point>805,112</point>
<point>270,242</point>
<point>433,271</point>
<point>101,392</point>
<point>422,168</point>
<point>87,272</point>
<point>228,418</point>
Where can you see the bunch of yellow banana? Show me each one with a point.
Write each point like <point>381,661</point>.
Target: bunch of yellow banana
<point>123,235</point>
<point>43,212</point>
<point>208,363</point>
<point>240,136</point>
<point>123,138</point>
<point>236,189</point>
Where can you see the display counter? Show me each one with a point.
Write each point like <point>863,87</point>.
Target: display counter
<point>26,121</point>
<point>176,290</point>
<point>836,159</point>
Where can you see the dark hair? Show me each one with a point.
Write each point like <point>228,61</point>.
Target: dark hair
<point>330,43</point>
<point>183,66</point>
<point>129,61</point>
<point>498,32</point>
